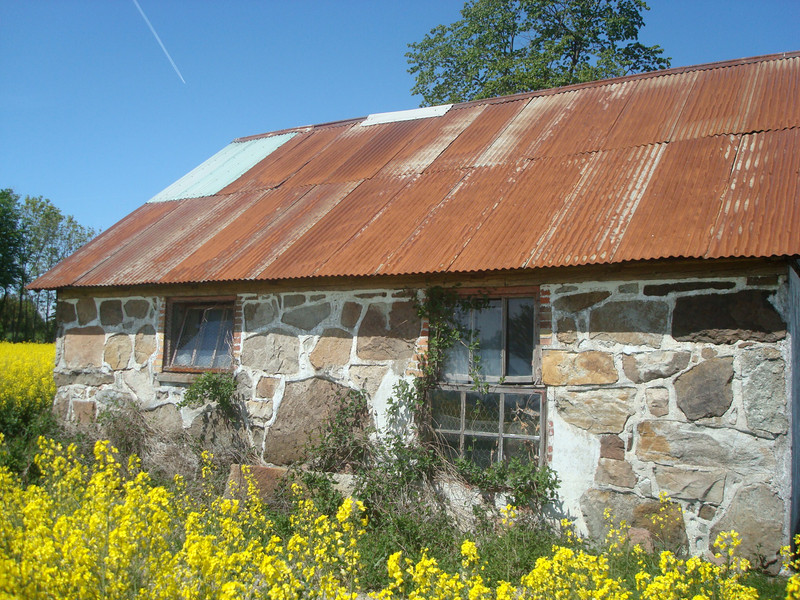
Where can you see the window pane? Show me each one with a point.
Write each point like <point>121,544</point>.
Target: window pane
<point>489,326</point>
<point>521,414</point>
<point>446,410</point>
<point>204,339</point>
<point>189,337</point>
<point>480,450</point>
<point>523,450</point>
<point>224,355</point>
<point>456,366</point>
<point>482,412</point>
<point>449,445</point>
<point>520,336</point>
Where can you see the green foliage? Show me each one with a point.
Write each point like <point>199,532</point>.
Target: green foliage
<point>219,388</point>
<point>502,47</point>
<point>344,441</point>
<point>10,239</point>
<point>523,483</point>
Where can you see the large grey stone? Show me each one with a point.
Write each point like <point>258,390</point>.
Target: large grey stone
<point>756,514</point>
<point>65,312</point>
<point>141,382</point>
<point>260,410</point>
<point>213,430</point>
<point>90,378</point>
<point>111,312</point>
<point>259,315</point>
<point>117,352</point>
<point>137,309</point>
<point>578,302</point>
<point>305,408</point>
<point>83,347</point>
<point>727,318</point>
<point>705,389</point>
<point>351,311</point>
<point>392,338</point>
<point>663,289</point>
<point>144,344</point>
<point>87,310</point>
<point>764,390</point>
<point>332,349</point>
<point>603,410</point>
<point>307,317</point>
<point>578,368</point>
<point>686,444</point>
<point>275,352</point>
<point>646,366</point>
<point>706,485</point>
<point>567,330</point>
<point>629,322</point>
<point>165,418</point>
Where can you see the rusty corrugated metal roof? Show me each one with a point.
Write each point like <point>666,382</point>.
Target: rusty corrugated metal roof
<point>695,162</point>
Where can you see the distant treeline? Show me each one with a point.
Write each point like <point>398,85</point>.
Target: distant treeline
<point>34,236</point>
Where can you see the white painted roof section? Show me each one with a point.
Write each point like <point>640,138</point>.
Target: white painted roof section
<point>225,167</point>
<point>406,115</point>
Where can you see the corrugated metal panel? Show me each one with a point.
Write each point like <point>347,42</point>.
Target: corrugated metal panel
<point>760,210</point>
<point>700,162</point>
<point>227,165</point>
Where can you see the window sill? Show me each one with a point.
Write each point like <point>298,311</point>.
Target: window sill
<point>177,378</point>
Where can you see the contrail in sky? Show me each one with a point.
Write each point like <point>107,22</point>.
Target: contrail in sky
<point>158,39</point>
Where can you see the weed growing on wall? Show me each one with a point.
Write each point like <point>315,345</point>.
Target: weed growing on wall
<point>218,388</point>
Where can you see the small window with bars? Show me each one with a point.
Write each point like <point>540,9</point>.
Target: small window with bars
<point>199,336</point>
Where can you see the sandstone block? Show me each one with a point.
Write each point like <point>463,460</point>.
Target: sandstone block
<point>165,418</point>
<point>144,344</point>
<point>629,322</point>
<point>392,338</point>
<point>117,352</point>
<point>111,312</point>
<point>657,401</point>
<point>646,366</point>
<point>615,472</point>
<point>83,347</point>
<point>90,378</point>
<point>612,446</point>
<point>260,410</point>
<point>567,330</point>
<point>332,349</point>
<point>706,485</point>
<point>266,480</point>
<point>307,317</point>
<point>304,409</point>
<point>368,377</point>
<point>764,391</point>
<point>84,412</point>
<point>727,318</point>
<point>266,387</point>
<point>274,352</point>
<point>578,368</point>
<point>705,390</point>
<point>604,410</point>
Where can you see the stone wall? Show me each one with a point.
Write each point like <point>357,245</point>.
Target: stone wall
<point>675,387</point>
<point>296,353</point>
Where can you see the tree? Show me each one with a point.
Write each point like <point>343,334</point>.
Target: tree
<point>10,245</point>
<point>502,47</point>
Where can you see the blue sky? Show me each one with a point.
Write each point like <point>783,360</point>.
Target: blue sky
<point>94,116</point>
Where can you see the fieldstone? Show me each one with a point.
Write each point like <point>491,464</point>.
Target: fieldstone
<point>117,352</point>
<point>258,315</point>
<point>274,352</point>
<point>266,480</point>
<point>307,317</point>
<point>762,280</point>
<point>367,295</point>
<point>351,311</point>
<point>707,353</point>
<point>65,312</point>
<point>213,430</point>
<point>332,349</point>
<point>628,288</point>
<point>144,344</point>
<point>137,309</point>
<point>634,322</point>
<point>142,382</point>
<point>707,512</point>
<point>83,347</point>
<point>612,446</point>
<point>111,397</point>
<point>567,330</point>
<point>260,410</point>
<point>638,536</point>
<point>646,366</point>
<point>579,302</point>
<point>686,286</point>
<point>91,378</point>
<point>394,338</point>
<point>615,472</point>
<point>664,521</point>
<point>602,410</point>
<point>84,412</point>
<point>111,312</point>
<point>305,408</point>
<point>593,503</point>
<point>657,401</point>
<point>61,404</point>
<point>727,318</point>
<point>87,310</point>
<point>764,391</point>
<point>165,418</point>
<point>244,385</point>
<point>578,368</point>
<point>368,377</point>
<point>266,387</point>
<point>756,513</point>
<point>705,389</point>
<point>705,485</point>
<point>687,444</point>
<point>292,300</point>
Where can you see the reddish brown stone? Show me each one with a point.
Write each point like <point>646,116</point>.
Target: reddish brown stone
<point>83,347</point>
<point>84,411</point>
<point>611,446</point>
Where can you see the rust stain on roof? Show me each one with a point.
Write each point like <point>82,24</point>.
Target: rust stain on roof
<point>695,162</point>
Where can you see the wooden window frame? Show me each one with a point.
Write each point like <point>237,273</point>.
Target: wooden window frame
<point>172,337</point>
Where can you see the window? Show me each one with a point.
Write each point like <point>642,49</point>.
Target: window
<point>199,335</point>
<point>498,417</point>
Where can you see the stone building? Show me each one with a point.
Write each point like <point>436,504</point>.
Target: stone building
<point>636,240</point>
